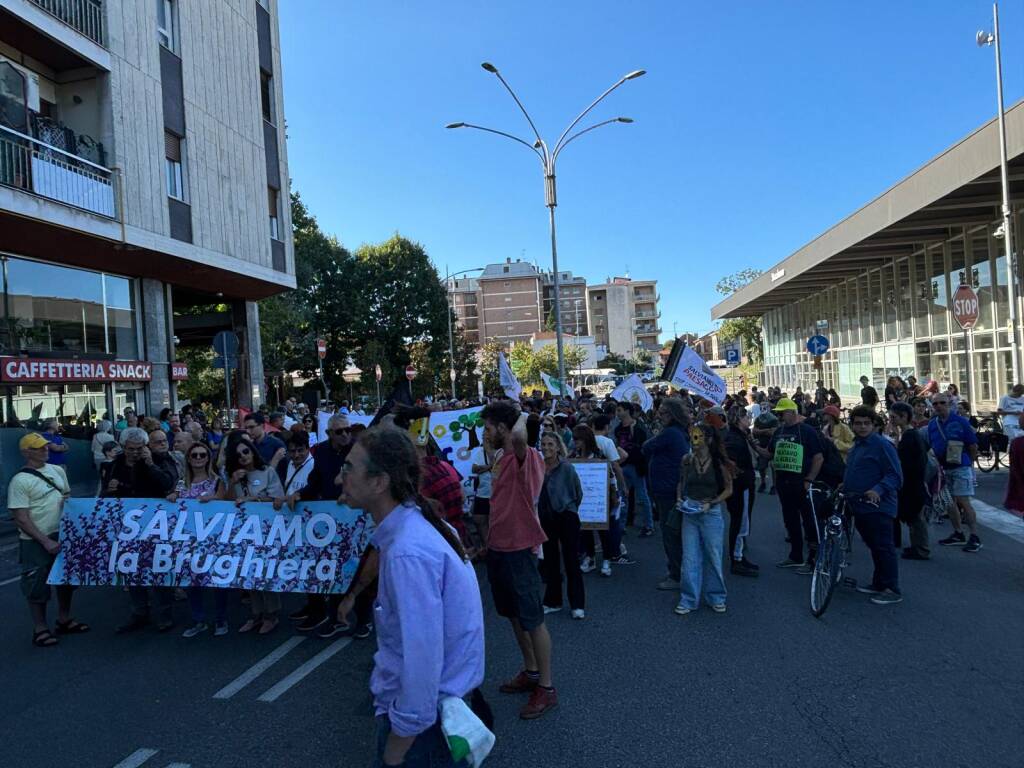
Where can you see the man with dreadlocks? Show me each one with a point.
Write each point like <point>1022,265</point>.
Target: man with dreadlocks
<point>428,616</point>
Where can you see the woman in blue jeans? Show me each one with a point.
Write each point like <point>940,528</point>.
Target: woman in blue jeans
<point>705,481</point>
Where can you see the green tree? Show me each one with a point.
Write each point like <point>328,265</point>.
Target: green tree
<point>488,357</point>
<point>205,384</point>
<point>746,329</point>
<point>617,362</point>
<point>549,323</point>
<point>528,365</point>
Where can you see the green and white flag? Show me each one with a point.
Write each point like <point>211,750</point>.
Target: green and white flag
<point>509,382</point>
<point>555,386</point>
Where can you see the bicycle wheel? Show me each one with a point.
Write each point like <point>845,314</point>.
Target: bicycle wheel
<point>987,460</point>
<point>828,569</point>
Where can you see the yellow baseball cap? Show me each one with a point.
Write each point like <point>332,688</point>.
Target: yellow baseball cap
<point>32,440</point>
<point>785,404</point>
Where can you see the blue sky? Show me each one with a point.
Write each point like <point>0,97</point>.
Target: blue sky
<point>758,125</point>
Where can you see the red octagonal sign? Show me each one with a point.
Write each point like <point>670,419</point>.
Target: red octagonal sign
<point>965,306</point>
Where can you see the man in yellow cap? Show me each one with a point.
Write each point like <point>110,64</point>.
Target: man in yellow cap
<point>35,497</point>
<point>797,457</point>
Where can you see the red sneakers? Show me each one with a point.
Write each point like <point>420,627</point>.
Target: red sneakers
<point>541,700</point>
<point>521,683</point>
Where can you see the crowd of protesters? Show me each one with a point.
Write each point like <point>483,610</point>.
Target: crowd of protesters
<point>680,466</point>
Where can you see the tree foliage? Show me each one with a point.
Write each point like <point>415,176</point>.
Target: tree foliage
<point>746,329</point>
<point>527,365</point>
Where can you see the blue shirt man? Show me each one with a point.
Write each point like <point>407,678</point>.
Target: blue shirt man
<point>873,471</point>
<point>946,427</point>
<point>57,447</point>
<point>271,449</point>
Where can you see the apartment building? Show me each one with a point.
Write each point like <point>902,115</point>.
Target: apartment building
<point>572,292</point>
<point>624,316</point>
<point>509,302</point>
<point>464,295</point>
<point>142,167</point>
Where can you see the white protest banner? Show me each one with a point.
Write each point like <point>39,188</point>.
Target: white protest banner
<point>322,417</point>
<point>594,478</point>
<point>509,382</point>
<point>632,390</point>
<point>694,375</point>
<point>451,429</point>
<point>358,418</point>
<point>553,386</point>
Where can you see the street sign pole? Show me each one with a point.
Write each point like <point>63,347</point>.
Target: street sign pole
<point>227,388</point>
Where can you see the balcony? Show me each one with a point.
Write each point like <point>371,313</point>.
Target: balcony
<point>648,329</point>
<point>85,16</point>
<point>43,169</point>
<point>641,318</point>
<point>639,297</point>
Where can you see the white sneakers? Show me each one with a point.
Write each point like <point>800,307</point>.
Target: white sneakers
<point>578,613</point>
<point>606,568</point>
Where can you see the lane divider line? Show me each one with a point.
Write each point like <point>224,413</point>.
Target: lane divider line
<point>274,693</point>
<point>999,520</point>
<point>179,765</point>
<point>258,668</point>
<point>10,581</point>
<point>137,758</point>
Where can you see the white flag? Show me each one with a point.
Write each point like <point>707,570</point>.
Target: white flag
<point>694,375</point>
<point>509,382</point>
<point>553,386</point>
<point>632,390</point>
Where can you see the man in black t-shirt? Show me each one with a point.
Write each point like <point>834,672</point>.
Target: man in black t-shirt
<point>797,458</point>
<point>868,394</point>
<point>630,437</point>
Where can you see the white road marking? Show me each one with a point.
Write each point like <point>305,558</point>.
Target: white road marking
<point>10,581</point>
<point>1000,520</point>
<point>258,668</point>
<point>136,758</point>
<point>305,669</point>
<point>179,765</point>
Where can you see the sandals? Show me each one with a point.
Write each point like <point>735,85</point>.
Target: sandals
<point>268,625</point>
<point>44,639</point>
<point>71,627</point>
<point>250,625</point>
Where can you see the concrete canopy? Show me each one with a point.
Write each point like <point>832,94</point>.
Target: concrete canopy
<point>960,187</point>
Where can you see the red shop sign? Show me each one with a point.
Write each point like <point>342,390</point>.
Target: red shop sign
<point>179,371</point>
<point>33,369</point>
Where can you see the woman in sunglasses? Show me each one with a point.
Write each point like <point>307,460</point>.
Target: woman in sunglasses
<point>309,427</point>
<point>200,482</point>
<point>250,479</point>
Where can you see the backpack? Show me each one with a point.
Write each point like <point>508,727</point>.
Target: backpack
<point>833,467</point>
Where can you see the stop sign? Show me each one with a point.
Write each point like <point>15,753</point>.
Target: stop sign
<point>378,372</point>
<point>321,348</point>
<point>965,306</point>
<point>410,372</point>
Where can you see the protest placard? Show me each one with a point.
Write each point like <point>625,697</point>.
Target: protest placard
<point>594,477</point>
<point>451,431</point>
<point>155,542</point>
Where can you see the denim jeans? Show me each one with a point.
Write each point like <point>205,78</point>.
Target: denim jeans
<point>643,501</point>
<point>876,530</point>
<point>703,535</point>
<point>163,603</point>
<point>220,603</point>
<point>430,750</point>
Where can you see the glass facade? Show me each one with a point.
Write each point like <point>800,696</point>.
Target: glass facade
<point>896,320</point>
<point>50,310</point>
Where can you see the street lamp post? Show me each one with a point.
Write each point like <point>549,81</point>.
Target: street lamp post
<point>994,38</point>
<point>548,157</point>
<point>451,333</point>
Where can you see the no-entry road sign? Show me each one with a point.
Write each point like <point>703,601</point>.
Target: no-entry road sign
<point>321,348</point>
<point>410,372</point>
<point>965,306</point>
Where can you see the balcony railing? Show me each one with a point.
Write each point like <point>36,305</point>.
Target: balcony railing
<point>86,16</point>
<point>646,296</point>
<point>45,170</point>
<point>641,316</point>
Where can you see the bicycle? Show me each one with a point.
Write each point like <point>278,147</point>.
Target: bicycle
<point>835,545</point>
<point>993,445</point>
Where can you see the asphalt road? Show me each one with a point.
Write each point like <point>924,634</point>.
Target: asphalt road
<point>935,681</point>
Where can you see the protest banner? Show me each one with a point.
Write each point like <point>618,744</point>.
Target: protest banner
<point>451,429</point>
<point>595,510</point>
<point>554,386</point>
<point>155,542</point>
<point>689,371</point>
<point>632,390</point>
<point>509,383</point>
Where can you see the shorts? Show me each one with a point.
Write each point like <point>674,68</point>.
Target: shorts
<point>960,481</point>
<point>36,563</point>
<point>516,586</point>
<point>481,507</point>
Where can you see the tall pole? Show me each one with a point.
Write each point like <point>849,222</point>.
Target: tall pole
<point>551,200</point>
<point>227,385</point>
<point>1011,270</point>
<point>451,336</point>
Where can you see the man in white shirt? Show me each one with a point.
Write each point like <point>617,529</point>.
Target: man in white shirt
<point>1010,408</point>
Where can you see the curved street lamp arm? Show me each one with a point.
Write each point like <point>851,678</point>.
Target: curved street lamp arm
<point>522,109</point>
<point>585,130</point>
<point>525,143</point>
<point>594,103</point>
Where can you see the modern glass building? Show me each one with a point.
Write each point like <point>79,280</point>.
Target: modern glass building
<point>879,283</point>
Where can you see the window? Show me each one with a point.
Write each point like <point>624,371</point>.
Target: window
<point>272,201</point>
<point>172,153</point>
<point>165,24</point>
<point>267,96</point>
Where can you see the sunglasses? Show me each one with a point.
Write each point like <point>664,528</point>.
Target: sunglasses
<point>198,455</point>
<point>244,451</point>
<point>342,431</point>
